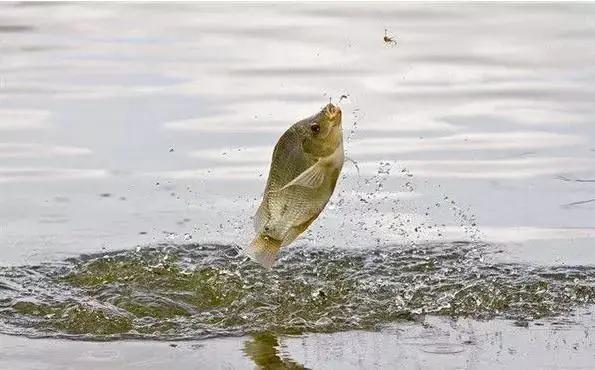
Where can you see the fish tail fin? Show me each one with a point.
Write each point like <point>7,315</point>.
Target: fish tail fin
<point>264,250</point>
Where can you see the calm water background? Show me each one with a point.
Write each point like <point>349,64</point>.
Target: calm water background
<point>123,125</point>
<point>485,104</point>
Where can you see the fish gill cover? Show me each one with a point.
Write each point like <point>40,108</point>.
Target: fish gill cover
<point>170,292</point>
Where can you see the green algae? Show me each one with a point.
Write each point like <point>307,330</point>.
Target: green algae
<point>84,320</point>
<point>34,309</point>
<point>174,292</point>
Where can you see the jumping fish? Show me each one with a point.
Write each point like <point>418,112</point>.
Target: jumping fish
<point>306,164</point>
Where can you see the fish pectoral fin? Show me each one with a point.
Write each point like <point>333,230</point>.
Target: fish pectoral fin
<point>310,178</point>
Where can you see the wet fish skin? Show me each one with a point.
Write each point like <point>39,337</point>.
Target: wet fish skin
<point>305,166</point>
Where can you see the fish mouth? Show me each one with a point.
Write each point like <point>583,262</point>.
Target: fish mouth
<point>332,112</point>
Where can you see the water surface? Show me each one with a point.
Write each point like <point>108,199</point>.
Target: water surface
<point>135,140</point>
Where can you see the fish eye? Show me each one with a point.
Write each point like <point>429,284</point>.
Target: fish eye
<point>315,127</point>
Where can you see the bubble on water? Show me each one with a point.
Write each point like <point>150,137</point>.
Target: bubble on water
<point>384,168</point>
<point>408,186</point>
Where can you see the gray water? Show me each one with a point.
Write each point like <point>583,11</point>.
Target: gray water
<point>135,141</point>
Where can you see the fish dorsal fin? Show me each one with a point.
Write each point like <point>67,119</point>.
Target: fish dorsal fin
<point>310,178</point>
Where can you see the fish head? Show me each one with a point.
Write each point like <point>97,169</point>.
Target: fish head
<point>332,114</point>
<point>323,130</point>
<point>329,119</point>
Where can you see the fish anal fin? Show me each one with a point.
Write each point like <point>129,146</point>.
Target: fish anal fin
<point>296,231</point>
<point>291,235</point>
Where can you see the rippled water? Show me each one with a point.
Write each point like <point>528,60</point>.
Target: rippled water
<point>172,111</point>
<point>197,291</point>
<point>135,140</point>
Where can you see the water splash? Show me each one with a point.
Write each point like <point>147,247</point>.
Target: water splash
<point>174,292</point>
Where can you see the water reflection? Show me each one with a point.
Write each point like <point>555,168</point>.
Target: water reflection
<point>15,28</point>
<point>263,349</point>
